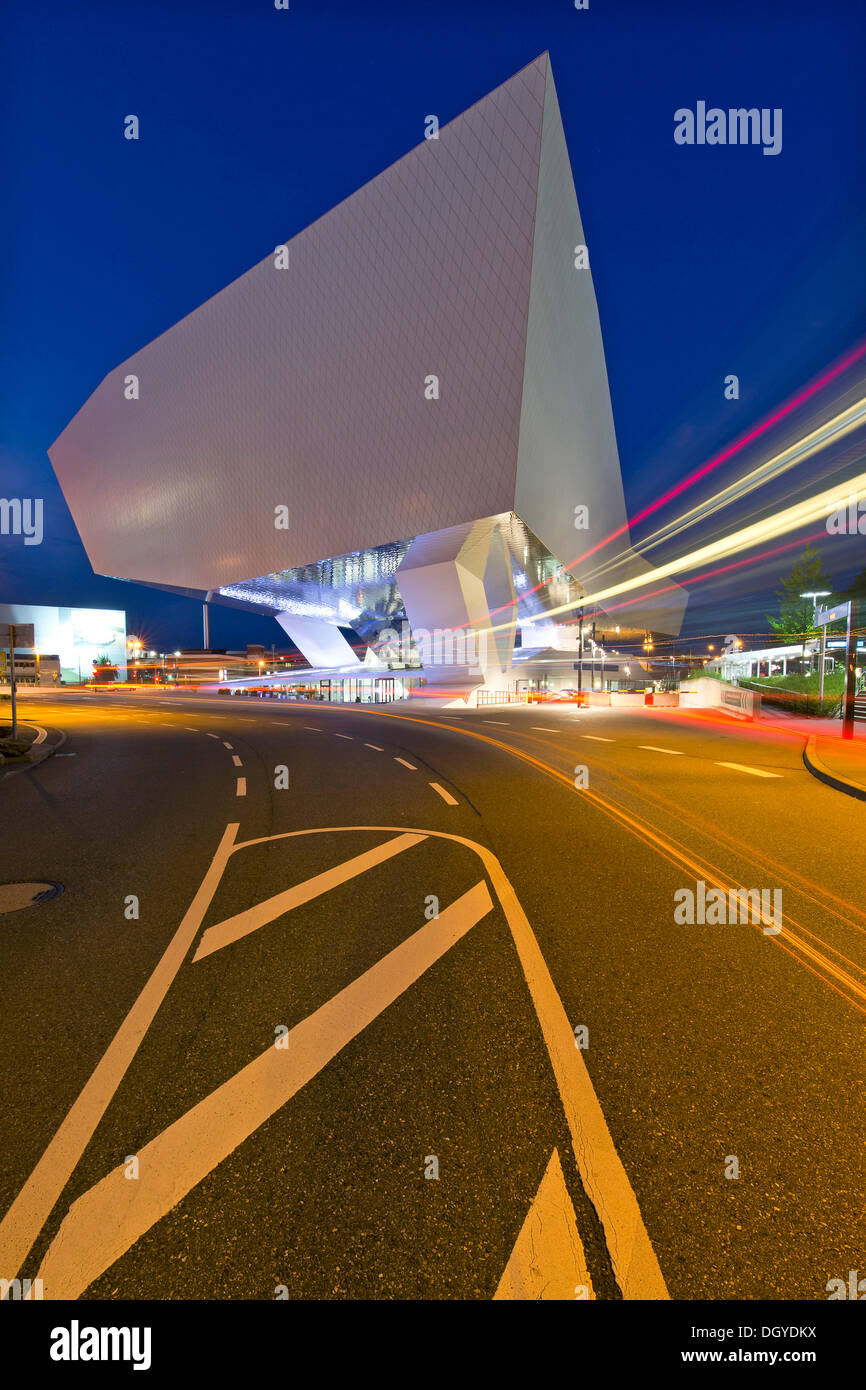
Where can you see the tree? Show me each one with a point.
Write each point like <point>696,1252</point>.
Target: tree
<point>796,618</point>
<point>104,668</point>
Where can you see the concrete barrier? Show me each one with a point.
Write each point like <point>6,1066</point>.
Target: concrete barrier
<point>706,693</point>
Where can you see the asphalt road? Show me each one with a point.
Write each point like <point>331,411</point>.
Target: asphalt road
<point>245,1092</point>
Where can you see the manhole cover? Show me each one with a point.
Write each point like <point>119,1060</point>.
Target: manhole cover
<point>16,895</point>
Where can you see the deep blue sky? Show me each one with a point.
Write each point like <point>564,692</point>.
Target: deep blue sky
<point>256,121</point>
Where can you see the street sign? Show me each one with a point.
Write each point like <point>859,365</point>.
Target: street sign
<point>15,635</point>
<point>23,635</point>
<point>832,615</point>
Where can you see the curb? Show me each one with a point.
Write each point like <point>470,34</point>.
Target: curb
<point>33,758</point>
<point>823,773</point>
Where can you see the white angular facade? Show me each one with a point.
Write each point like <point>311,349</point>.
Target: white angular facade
<point>309,387</point>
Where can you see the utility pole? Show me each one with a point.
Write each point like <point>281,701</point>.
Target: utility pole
<point>854,611</point>
<point>12,635</point>
<point>821,676</point>
<point>579,655</point>
<point>12,679</point>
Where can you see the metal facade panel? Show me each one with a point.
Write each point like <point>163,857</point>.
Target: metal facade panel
<point>305,387</point>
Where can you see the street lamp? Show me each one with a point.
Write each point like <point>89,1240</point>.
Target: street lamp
<point>814,595</point>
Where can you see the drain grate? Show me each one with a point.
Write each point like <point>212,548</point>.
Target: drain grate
<point>17,895</point>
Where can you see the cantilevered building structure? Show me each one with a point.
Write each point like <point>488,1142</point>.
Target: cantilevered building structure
<point>391,421</point>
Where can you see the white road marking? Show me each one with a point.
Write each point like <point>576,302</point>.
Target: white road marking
<point>548,1262</point>
<point>446,796</point>
<point>374,745</point>
<point>236,760</point>
<point>651,748</point>
<point>596,738</point>
<point>755,771</point>
<point>314,727</point>
<point>242,786</point>
<point>411,766</point>
<point>348,736</point>
<point>108,1219</point>
<point>543,729</point>
<point>216,736</point>
<point>189,730</point>
<point>40,1193</point>
<point>503,723</point>
<point>227,745</point>
<point>41,734</point>
<point>233,928</point>
<point>632,1256</point>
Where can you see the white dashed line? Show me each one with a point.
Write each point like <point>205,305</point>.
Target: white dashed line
<point>348,736</point>
<point>315,728</point>
<point>543,729</point>
<point>375,746</point>
<point>446,796</point>
<point>755,771</point>
<point>189,730</point>
<point>227,745</point>
<point>503,724</point>
<point>216,736</point>
<point>411,766</point>
<point>236,760</point>
<point>651,748</point>
<point>596,738</point>
<point>242,786</point>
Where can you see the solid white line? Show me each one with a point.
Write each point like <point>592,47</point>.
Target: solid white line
<point>107,1220</point>
<point>446,796</point>
<point>32,1207</point>
<point>596,738</point>
<point>548,1260</point>
<point>374,745</point>
<point>233,928</point>
<point>755,771</point>
<point>651,748</point>
<point>227,745</point>
<point>236,760</point>
<point>411,766</point>
<point>242,786</point>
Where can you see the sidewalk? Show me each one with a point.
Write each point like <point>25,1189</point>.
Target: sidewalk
<point>837,761</point>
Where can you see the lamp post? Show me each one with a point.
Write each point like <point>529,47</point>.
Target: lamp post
<point>814,595</point>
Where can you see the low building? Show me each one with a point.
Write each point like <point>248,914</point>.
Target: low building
<point>77,636</point>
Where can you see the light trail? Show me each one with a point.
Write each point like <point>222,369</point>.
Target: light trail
<point>843,424</point>
<point>804,513</point>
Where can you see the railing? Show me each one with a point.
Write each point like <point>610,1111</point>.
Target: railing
<point>502,697</point>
